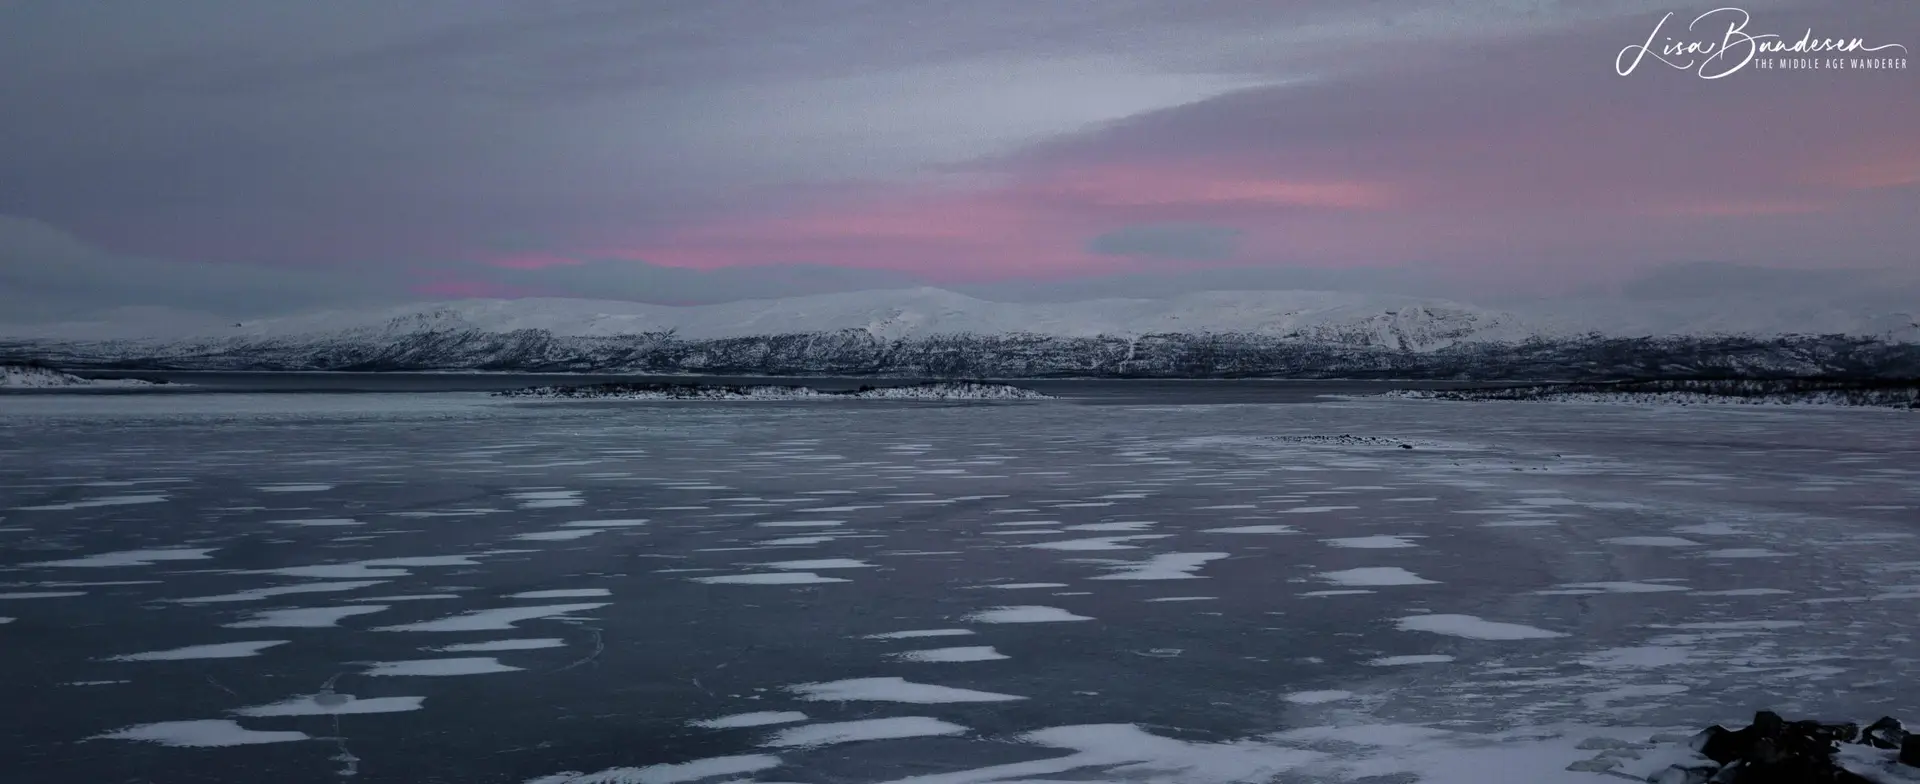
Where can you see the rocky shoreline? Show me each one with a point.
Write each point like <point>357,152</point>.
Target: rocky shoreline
<point>1898,394</point>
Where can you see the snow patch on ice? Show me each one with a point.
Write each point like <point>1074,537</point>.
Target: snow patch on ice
<point>1127,752</point>
<point>1373,542</point>
<point>493,646</point>
<point>953,655</point>
<point>761,719</point>
<point>676,773</point>
<point>893,690</point>
<point>1711,529</point>
<point>863,730</point>
<point>304,617</point>
<point>1367,576</point>
<point>547,499</point>
<point>1025,614</point>
<point>294,488</point>
<point>206,733</point>
<point>132,558</point>
<point>225,650</point>
<point>1318,697</point>
<point>1473,628</point>
<point>331,704</point>
<point>469,665</point>
<point>769,578</point>
<point>821,563</point>
<point>1403,661</point>
<point>1096,543</point>
<point>561,535</point>
<point>1166,566</point>
<point>499,619</point>
<point>1651,541</point>
<point>1638,658</point>
<point>563,593</point>
<point>256,594</point>
<point>1254,529</point>
<point>917,633</point>
<point>90,503</point>
<point>1744,552</point>
<point>1581,589</point>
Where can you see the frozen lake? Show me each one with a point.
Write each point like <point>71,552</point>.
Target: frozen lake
<point>1162,582</point>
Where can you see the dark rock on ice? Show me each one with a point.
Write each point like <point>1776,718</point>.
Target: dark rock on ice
<point>1773,750</point>
<point>1887,733</point>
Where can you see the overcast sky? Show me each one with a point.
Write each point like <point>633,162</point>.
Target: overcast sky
<point>256,156</point>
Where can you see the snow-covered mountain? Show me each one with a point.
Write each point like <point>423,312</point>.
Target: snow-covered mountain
<point>933,332</point>
<point>34,377</point>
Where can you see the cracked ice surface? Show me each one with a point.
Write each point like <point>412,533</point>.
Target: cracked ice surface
<point>1143,591</point>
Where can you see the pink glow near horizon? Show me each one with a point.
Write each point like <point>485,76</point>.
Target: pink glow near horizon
<point>1036,227</point>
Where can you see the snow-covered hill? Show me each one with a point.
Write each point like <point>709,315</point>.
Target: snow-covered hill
<point>32,377</point>
<point>943,391</point>
<point>1399,322</point>
<point>933,332</point>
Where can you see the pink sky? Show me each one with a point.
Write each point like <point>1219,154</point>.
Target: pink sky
<point>1479,146</point>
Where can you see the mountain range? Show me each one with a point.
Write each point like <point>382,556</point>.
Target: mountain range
<point>927,332</point>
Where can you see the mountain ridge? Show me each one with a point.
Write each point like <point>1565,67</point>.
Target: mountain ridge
<point>931,332</point>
